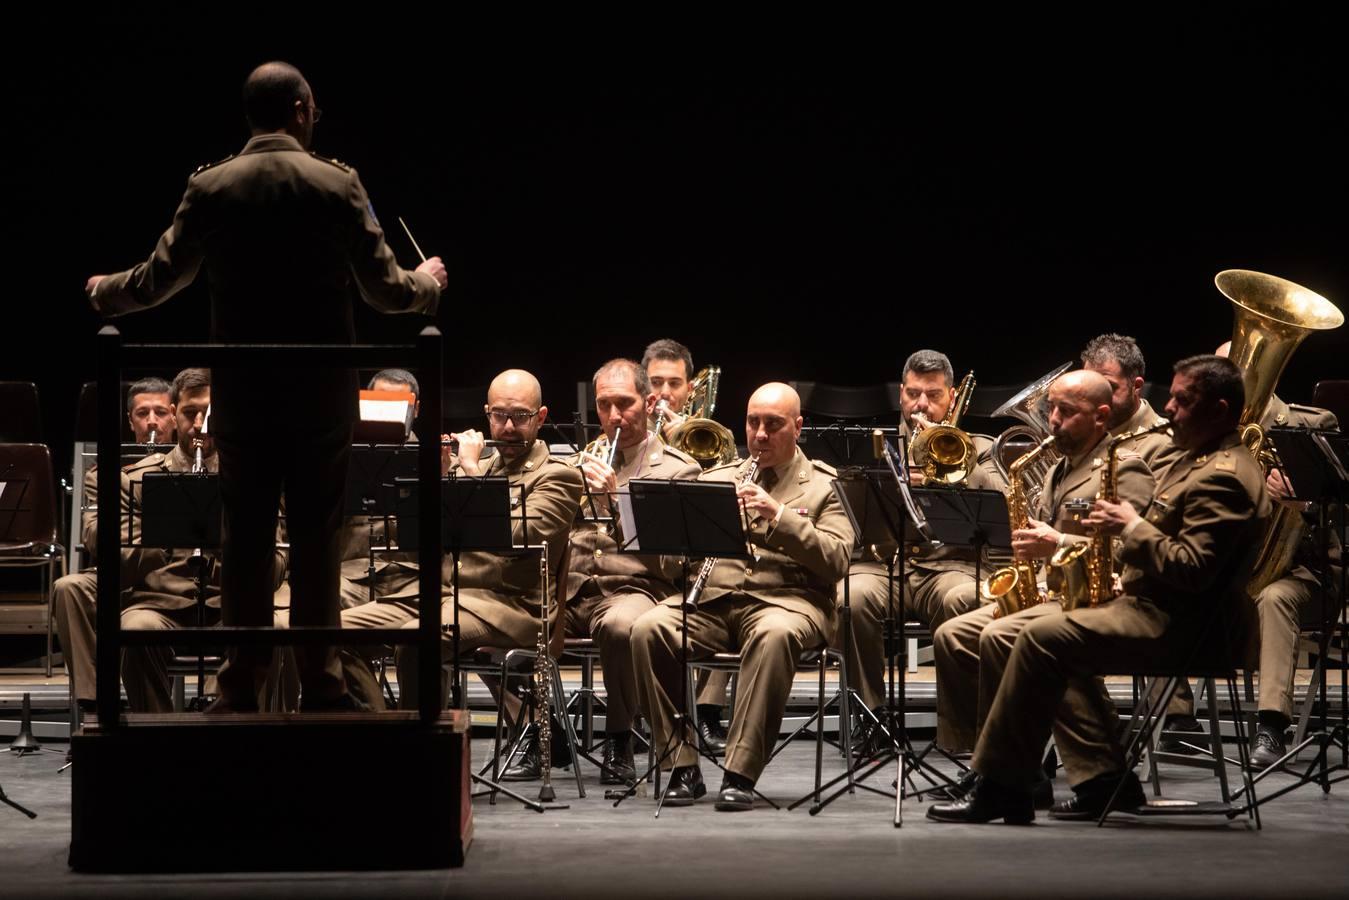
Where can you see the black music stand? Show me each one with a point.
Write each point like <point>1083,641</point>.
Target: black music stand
<point>1316,465</point>
<point>372,490</point>
<point>841,445</point>
<point>181,510</point>
<point>690,520</point>
<point>475,514</point>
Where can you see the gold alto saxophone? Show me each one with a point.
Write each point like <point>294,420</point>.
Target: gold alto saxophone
<point>1014,588</point>
<point>1088,569</point>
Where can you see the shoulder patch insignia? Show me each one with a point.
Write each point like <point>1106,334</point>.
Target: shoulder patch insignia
<point>332,162</point>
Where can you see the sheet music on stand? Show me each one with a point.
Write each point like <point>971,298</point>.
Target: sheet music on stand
<point>475,512</point>
<point>373,474</point>
<point>843,445</point>
<point>682,518</point>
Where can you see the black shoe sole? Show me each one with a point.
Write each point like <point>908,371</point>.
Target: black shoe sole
<point>734,806</point>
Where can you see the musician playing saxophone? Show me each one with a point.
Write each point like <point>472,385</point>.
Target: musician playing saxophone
<point>767,608</point>
<point>971,649</point>
<point>1186,560</point>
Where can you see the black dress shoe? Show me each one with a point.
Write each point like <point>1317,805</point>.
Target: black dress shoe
<point>986,802</point>
<point>344,703</point>
<point>1187,724</point>
<point>617,759</point>
<point>1043,794</point>
<point>1088,800</point>
<point>1267,750</point>
<point>686,785</point>
<point>710,732</point>
<point>736,795</point>
<point>529,764</point>
<point>962,787</point>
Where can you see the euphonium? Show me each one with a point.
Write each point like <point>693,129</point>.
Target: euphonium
<point>1014,587</point>
<point>1030,405</point>
<point>1272,318</point>
<point>1088,568</point>
<point>706,440</point>
<point>943,451</point>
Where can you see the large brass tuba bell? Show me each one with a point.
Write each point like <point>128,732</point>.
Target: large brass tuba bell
<point>1030,405</point>
<point>699,435</point>
<point>1273,316</point>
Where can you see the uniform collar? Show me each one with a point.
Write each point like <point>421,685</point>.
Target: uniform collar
<point>527,463</point>
<point>269,143</point>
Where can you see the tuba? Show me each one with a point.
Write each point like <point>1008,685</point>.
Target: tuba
<point>1014,587</point>
<point>1273,316</point>
<point>699,435</point>
<point>1029,405</point>
<point>944,452</point>
<point>1088,569</point>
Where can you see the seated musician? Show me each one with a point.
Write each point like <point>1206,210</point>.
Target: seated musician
<point>971,649</point>
<point>1186,560</point>
<point>607,590</point>
<point>939,582</point>
<point>498,594</point>
<point>769,609</point>
<point>669,365</point>
<point>158,586</point>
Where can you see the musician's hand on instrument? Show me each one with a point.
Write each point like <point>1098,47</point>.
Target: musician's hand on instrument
<point>917,476</point>
<point>1111,518</point>
<point>1036,541</point>
<point>600,478</point>
<point>436,269</point>
<point>1281,489</point>
<point>758,502</point>
<point>446,455</point>
<point>673,421</point>
<point>918,422</point>
<point>471,444</point>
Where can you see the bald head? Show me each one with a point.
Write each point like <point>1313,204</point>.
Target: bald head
<point>1089,387</point>
<point>773,423</point>
<point>515,384</point>
<point>1079,410</point>
<point>779,396</point>
<point>270,94</point>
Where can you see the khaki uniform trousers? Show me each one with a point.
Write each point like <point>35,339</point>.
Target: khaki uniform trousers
<point>1046,685</point>
<point>609,620</point>
<point>933,598</point>
<point>144,669</point>
<point>971,653</point>
<point>770,641</point>
<point>473,633</point>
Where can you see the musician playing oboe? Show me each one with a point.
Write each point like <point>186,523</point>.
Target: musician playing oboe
<point>768,609</point>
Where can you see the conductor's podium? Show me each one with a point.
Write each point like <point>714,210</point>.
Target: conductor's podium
<point>192,792</point>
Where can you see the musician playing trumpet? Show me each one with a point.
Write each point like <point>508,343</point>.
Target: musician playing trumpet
<point>768,608</point>
<point>607,590</point>
<point>971,650</point>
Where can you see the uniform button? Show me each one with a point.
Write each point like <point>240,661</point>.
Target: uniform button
<point>599,553</point>
<point>748,571</point>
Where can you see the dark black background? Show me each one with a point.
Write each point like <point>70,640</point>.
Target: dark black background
<point>809,199</point>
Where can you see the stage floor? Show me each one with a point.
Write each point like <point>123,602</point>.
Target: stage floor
<point>849,849</point>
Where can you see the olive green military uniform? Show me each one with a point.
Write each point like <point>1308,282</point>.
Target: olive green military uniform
<point>498,594</point>
<point>769,610</point>
<point>1185,562</point>
<point>607,590</point>
<point>940,583</point>
<point>158,592</point>
<point>971,650</point>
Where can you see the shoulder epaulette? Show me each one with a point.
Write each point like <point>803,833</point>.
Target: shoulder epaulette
<point>146,462</point>
<point>733,464</point>
<point>211,165</point>
<point>332,162</point>
<point>824,467</point>
<point>678,454</point>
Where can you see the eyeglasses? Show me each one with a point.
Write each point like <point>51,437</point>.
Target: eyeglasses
<point>519,417</point>
<point>315,114</point>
